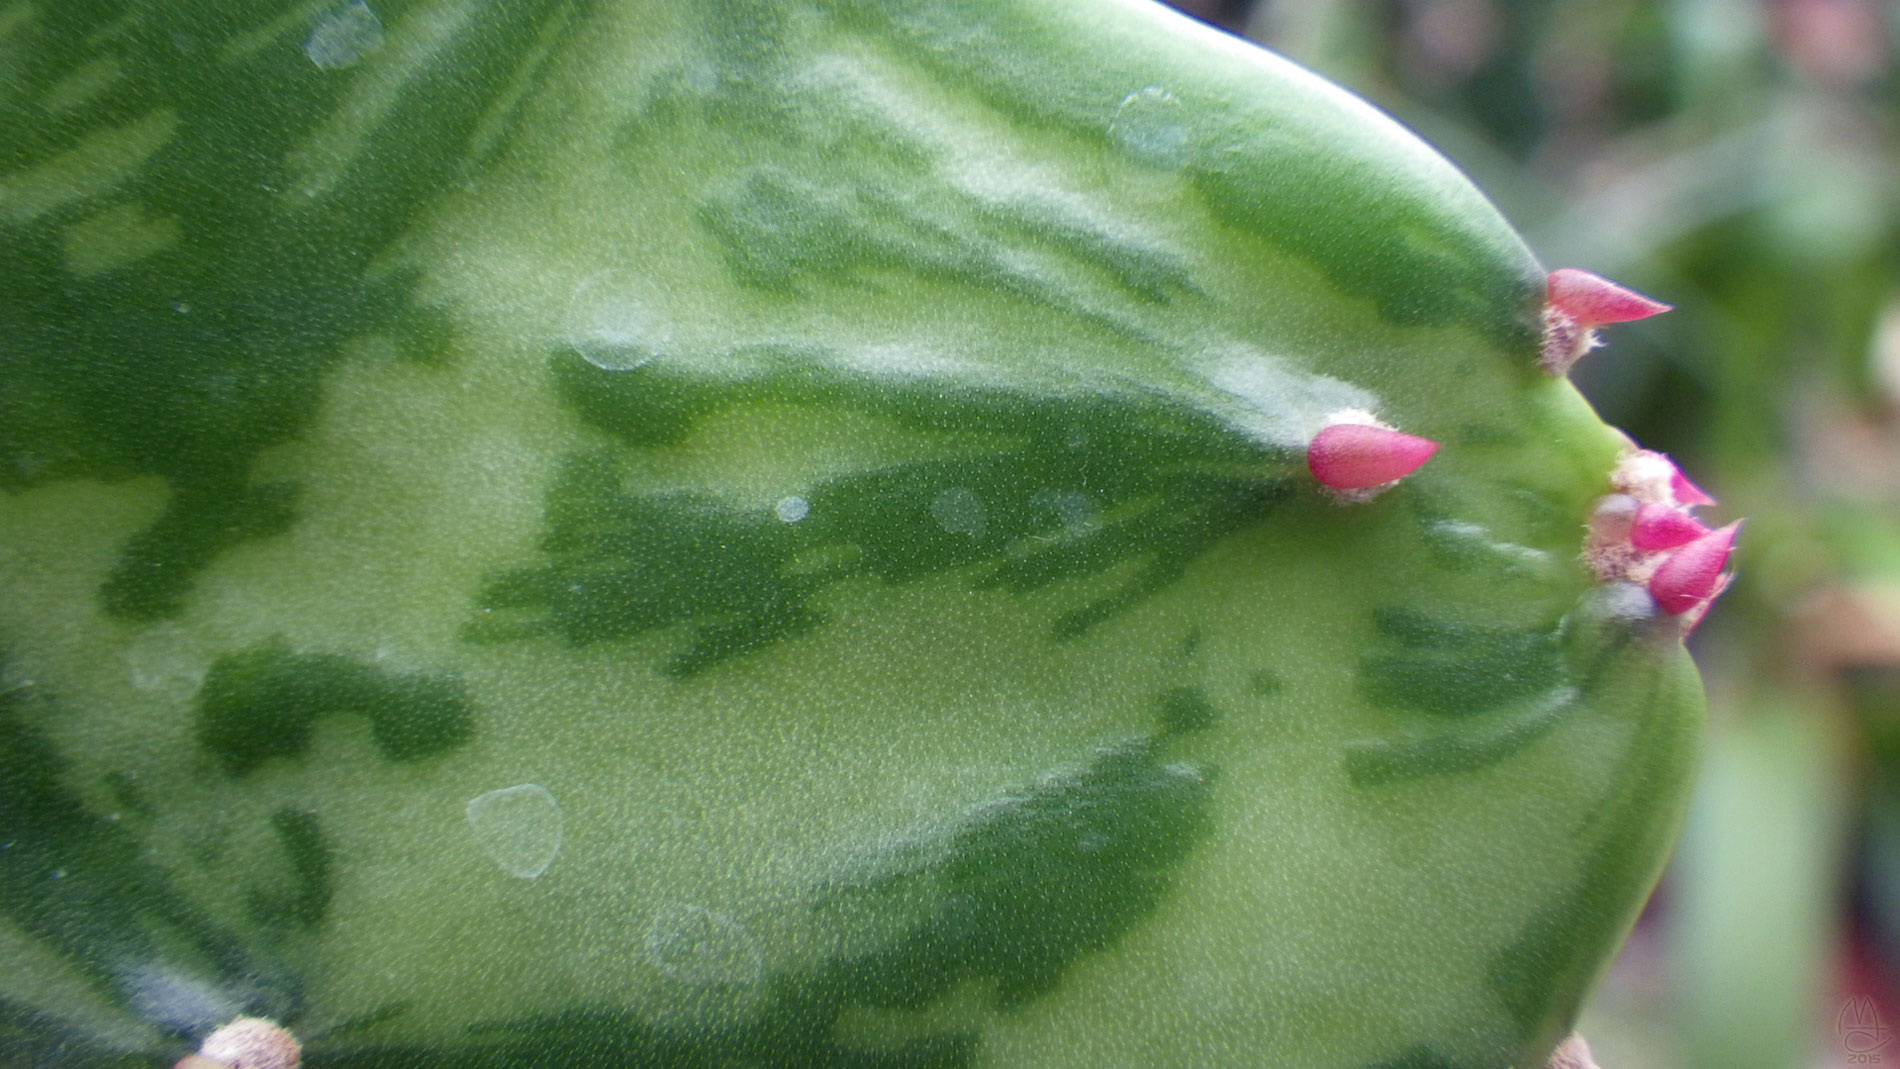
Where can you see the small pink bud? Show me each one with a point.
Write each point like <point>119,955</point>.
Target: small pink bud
<point>1686,493</point>
<point>1592,300</point>
<point>1661,527</point>
<point>1354,456</point>
<point>1693,574</point>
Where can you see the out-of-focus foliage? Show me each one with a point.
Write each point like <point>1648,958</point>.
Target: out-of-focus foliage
<point>1741,160</point>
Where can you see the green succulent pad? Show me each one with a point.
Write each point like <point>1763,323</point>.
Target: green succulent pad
<point>647,532</point>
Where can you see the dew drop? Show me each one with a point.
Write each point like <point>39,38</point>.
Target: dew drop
<point>959,511</point>
<point>792,509</point>
<point>344,36</point>
<point>165,660</point>
<point>518,827</point>
<point>1151,124</point>
<point>614,321</point>
<point>1073,510</point>
<point>696,945</point>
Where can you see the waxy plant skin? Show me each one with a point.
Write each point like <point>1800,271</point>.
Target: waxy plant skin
<point>906,533</point>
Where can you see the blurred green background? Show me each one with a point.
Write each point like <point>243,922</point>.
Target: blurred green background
<point>1741,160</point>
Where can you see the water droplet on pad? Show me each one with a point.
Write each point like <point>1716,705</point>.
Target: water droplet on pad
<point>165,659</point>
<point>1151,124</point>
<point>616,322</point>
<point>344,36</point>
<point>1072,508</point>
<point>960,511</point>
<point>518,827</point>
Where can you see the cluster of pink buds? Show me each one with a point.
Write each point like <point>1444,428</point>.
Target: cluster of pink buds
<point>1357,458</point>
<point>1646,532</point>
<point>1575,304</point>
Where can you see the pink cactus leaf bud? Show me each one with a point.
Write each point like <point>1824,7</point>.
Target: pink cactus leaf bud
<point>1693,574</point>
<point>1661,527</point>
<point>1593,300</point>
<point>1354,456</point>
<point>1686,493</point>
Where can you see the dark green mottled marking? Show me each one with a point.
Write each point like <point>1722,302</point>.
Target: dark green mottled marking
<point>157,566</point>
<point>303,904</point>
<point>779,229</point>
<point>620,564</point>
<point>1256,172</point>
<point>1467,748</point>
<point>776,227</point>
<point>1393,251</point>
<point>1021,890</point>
<point>1065,487</point>
<point>1068,487</point>
<point>850,192</point>
<point>1521,683</point>
<point>1557,954</point>
<point>188,363</point>
<point>1453,670</point>
<point>1186,709</point>
<point>1025,887</point>
<point>1457,548</point>
<point>82,887</point>
<point>1265,682</point>
<point>263,702</point>
<point>658,404</point>
<point>1036,880</point>
<point>1494,692</point>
